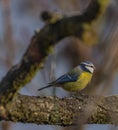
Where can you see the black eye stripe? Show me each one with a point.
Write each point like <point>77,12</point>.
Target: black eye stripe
<point>90,66</point>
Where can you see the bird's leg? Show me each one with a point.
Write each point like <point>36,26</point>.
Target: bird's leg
<point>78,95</point>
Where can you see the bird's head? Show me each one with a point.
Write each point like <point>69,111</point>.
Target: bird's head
<point>87,66</point>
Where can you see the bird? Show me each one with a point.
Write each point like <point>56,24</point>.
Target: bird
<point>75,80</point>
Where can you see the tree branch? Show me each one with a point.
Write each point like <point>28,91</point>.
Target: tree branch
<point>64,111</point>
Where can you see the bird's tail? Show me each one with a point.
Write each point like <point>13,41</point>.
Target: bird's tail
<point>45,87</point>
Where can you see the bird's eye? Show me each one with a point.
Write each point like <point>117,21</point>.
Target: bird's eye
<point>90,66</point>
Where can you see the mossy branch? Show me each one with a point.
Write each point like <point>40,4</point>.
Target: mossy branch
<point>64,111</point>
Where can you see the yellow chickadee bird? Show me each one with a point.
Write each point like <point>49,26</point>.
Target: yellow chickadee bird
<point>75,80</point>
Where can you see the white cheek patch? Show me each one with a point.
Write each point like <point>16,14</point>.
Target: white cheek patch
<point>90,69</point>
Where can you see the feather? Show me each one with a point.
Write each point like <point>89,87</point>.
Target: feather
<point>45,87</point>
<point>65,78</point>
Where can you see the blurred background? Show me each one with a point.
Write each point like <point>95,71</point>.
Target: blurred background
<point>18,21</point>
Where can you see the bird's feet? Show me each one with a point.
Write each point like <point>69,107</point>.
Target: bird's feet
<point>78,95</point>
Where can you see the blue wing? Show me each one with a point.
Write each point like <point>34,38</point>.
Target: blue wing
<point>66,78</point>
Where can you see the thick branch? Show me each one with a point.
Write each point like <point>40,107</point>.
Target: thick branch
<point>65,111</point>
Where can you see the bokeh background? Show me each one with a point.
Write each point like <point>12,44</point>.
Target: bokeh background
<point>18,21</point>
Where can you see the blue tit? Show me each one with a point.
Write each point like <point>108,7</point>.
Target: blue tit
<point>75,80</point>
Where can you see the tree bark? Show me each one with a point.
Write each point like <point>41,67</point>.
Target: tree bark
<point>62,111</point>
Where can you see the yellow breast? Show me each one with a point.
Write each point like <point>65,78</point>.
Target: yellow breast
<point>81,83</point>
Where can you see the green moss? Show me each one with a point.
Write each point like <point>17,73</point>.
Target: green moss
<point>101,117</point>
<point>90,35</point>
